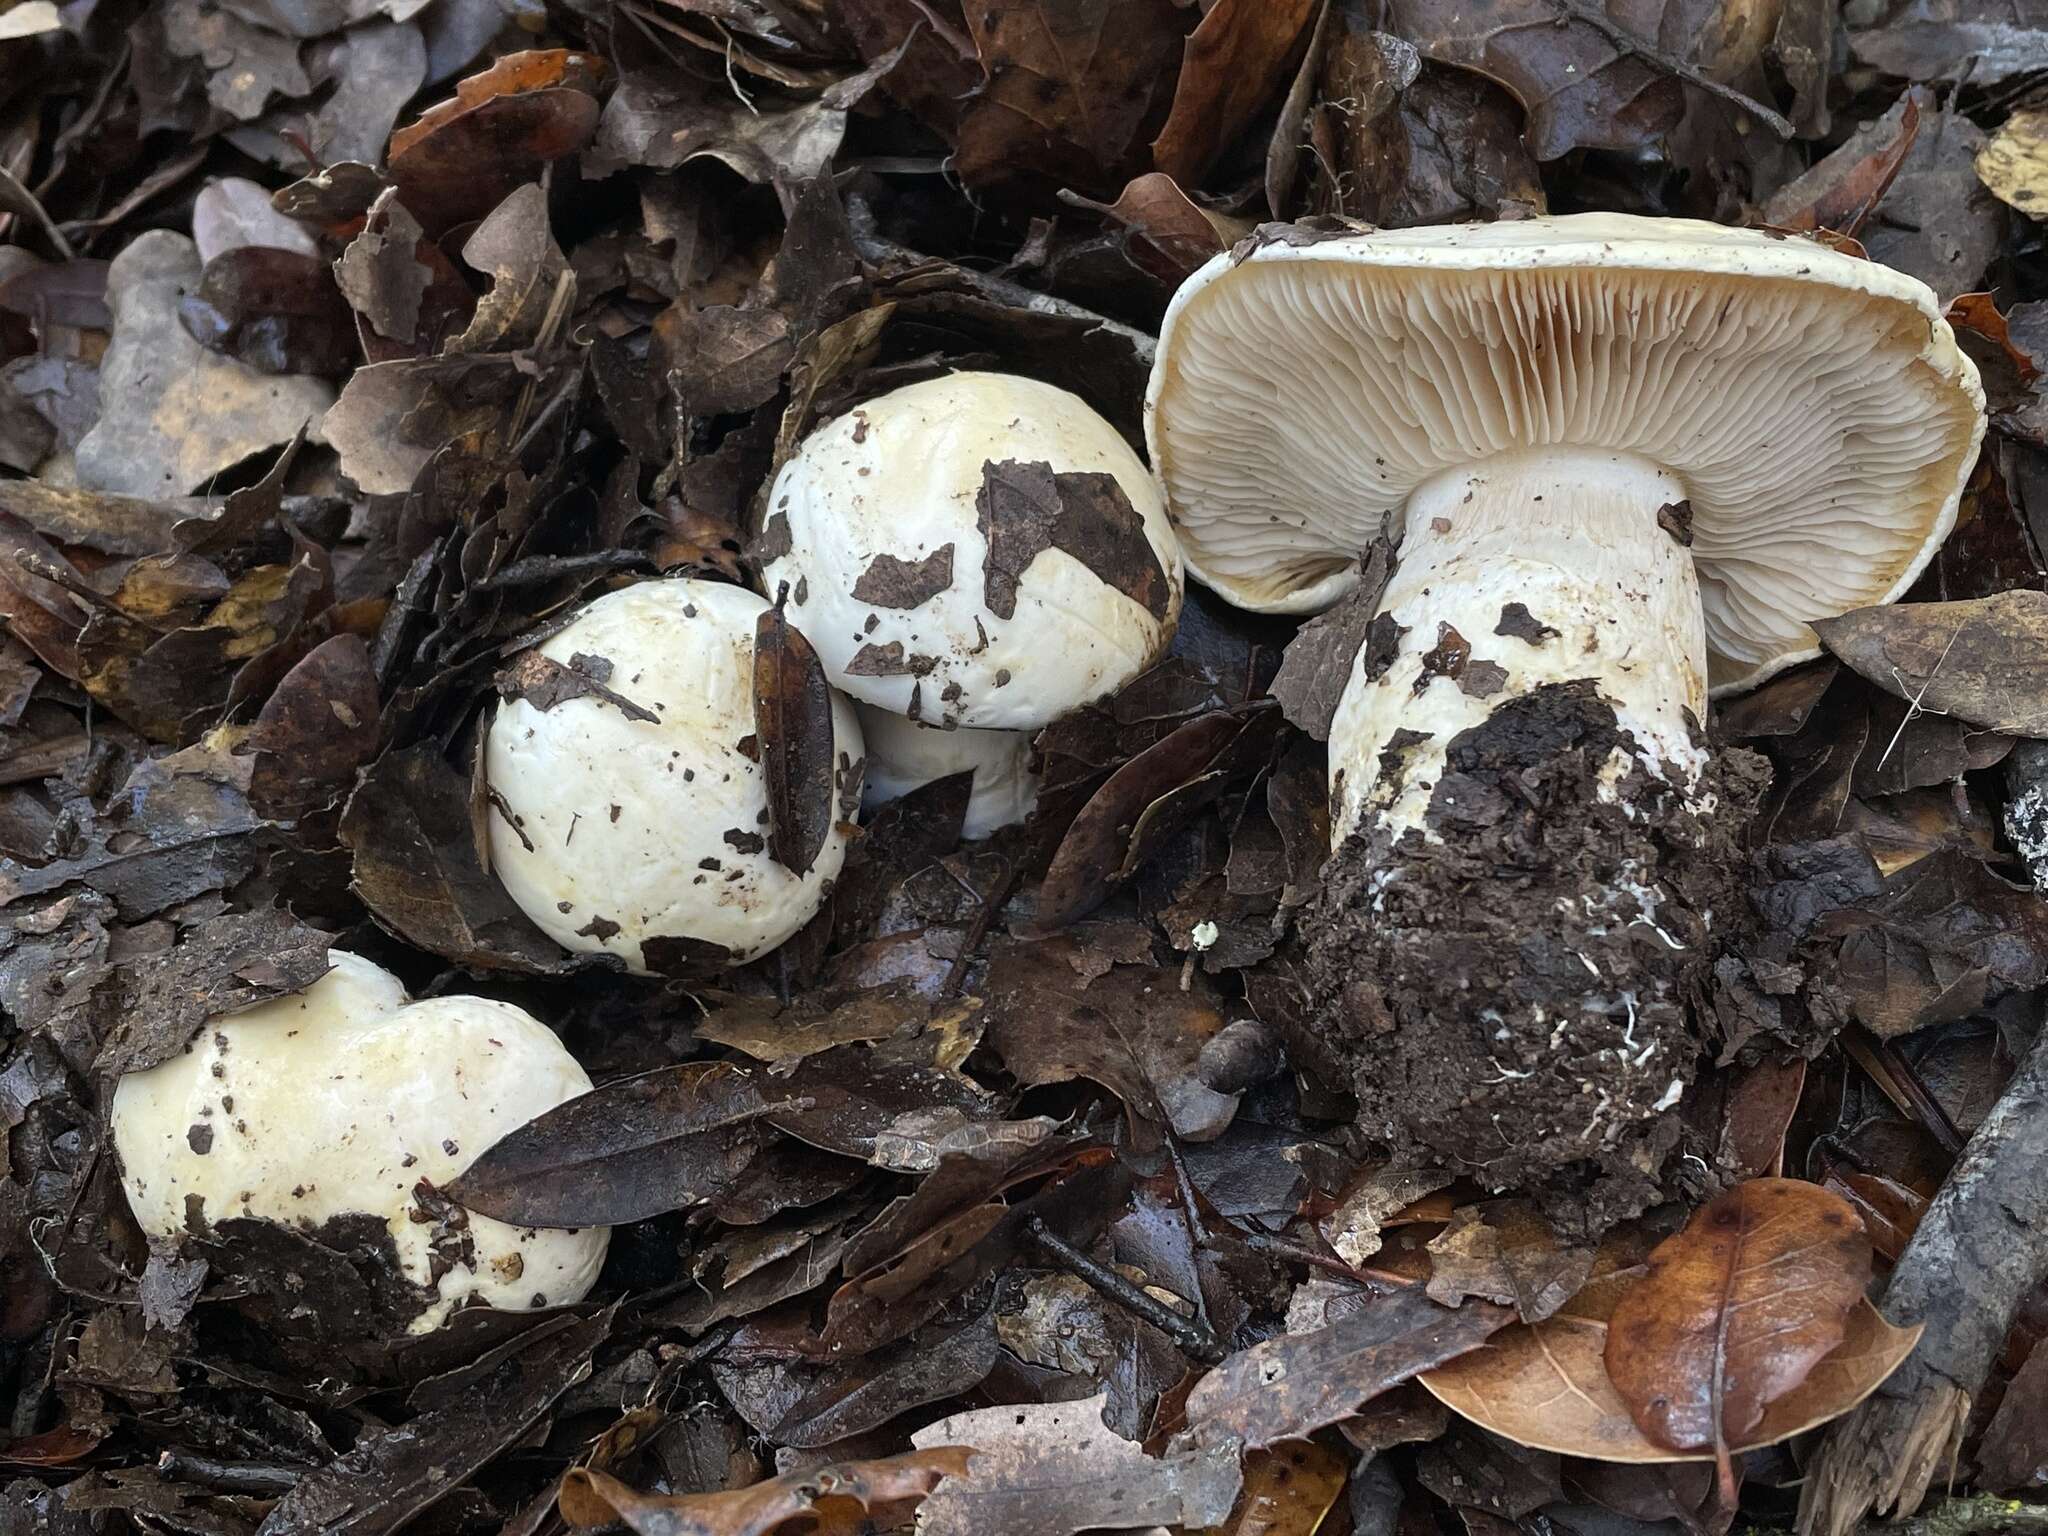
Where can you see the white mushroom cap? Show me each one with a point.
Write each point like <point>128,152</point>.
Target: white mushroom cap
<point>641,830</point>
<point>338,1101</point>
<point>1813,407</point>
<point>902,755</point>
<point>883,522</point>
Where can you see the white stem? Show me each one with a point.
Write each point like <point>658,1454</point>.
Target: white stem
<point>1573,535</point>
<point>903,754</point>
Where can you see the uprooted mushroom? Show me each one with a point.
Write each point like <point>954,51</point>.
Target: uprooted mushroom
<point>1627,461</point>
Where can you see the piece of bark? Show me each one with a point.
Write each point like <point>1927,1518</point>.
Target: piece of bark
<point>1981,1247</point>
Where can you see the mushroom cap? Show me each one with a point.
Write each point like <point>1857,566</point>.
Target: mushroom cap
<point>646,830</point>
<point>337,1101</point>
<point>884,519</point>
<point>902,755</point>
<point>1814,406</point>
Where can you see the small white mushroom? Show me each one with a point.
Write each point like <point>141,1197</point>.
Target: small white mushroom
<point>902,755</point>
<point>975,552</point>
<point>631,819</point>
<point>338,1101</point>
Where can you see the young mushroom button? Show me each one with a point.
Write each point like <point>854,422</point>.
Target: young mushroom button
<point>1626,461</point>
<point>974,553</point>
<point>628,804</point>
<point>347,1101</point>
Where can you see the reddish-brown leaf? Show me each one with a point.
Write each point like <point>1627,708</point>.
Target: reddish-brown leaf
<point>793,719</point>
<point>1840,191</point>
<point>1235,60</point>
<point>838,1500</point>
<point>1735,1311</point>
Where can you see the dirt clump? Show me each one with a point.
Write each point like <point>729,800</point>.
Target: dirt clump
<point>1518,1000</point>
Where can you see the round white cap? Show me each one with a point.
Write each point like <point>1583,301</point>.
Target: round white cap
<point>648,838</point>
<point>979,548</point>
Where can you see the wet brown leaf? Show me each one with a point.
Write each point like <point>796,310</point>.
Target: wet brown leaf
<point>1288,1490</point>
<point>842,1499</point>
<point>1295,1384</point>
<point>1735,1312</point>
<point>793,719</point>
<point>318,727</point>
<point>1842,190</point>
<point>466,155</point>
<point>1170,236</point>
<point>278,311</point>
<point>394,1474</point>
<point>1504,1251</point>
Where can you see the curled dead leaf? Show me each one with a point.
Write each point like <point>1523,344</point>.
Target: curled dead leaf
<point>845,1497</point>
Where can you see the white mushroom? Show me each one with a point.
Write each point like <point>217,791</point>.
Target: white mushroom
<point>340,1101</point>
<point>974,552</point>
<point>1518,402</point>
<point>903,755</point>
<point>1625,460</point>
<point>629,806</point>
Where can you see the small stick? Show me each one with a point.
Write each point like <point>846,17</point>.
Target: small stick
<point>1195,1341</point>
<point>1671,64</point>
<point>1981,1247</point>
<point>228,1476</point>
<point>976,930</point>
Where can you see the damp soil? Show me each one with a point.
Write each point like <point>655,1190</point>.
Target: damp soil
<point>1517,1001</point>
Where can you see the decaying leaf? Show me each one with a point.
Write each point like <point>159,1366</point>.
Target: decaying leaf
<point>1734,1312</point>
<point>175,415</point>
<point>1984,661</point>
<point>1049,1469</point>
<point>841,1498</point>
<point>1234,59</point>
<point>1318,663</point>
<point>1504,1251</point>
<point>2014,163</point>
<point>1291,1386</point>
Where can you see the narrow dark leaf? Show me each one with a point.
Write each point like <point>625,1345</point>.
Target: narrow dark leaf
<point>793,718</point>
<point>629,1150</point>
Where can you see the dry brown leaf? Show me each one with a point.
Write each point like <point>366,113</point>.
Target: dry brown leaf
<point>1735,1311</point>
<point>1984,661</point>
<point>1287,1491</point>
<point>1504,1251</point>
<point>1546,1385</point>
<point>1049,1469</point>
<point>1234,61</point>
<point>838,1500</point>
<point>793,720</point>
<point>1297,1383</point>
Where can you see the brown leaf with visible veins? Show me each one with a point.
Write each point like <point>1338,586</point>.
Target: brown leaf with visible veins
<point>1581,91</point>
<point>793,718</point>
<point>1546,1385</point>
<point>1736,1311</point>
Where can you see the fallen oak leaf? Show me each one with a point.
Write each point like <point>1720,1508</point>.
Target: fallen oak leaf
<point>1288,1387</point>
<point>845,1497</point>
<point>1735,1311</point>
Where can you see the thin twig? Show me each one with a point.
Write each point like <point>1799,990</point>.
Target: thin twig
<point>259,1477</point>
<point>537,569</point>
<point>26,201</point>
<point>1671,64</point>
<point>1196,1341</point>
<point>990,905</point>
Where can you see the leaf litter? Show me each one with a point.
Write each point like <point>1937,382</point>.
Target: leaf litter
<point>350,348</point>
